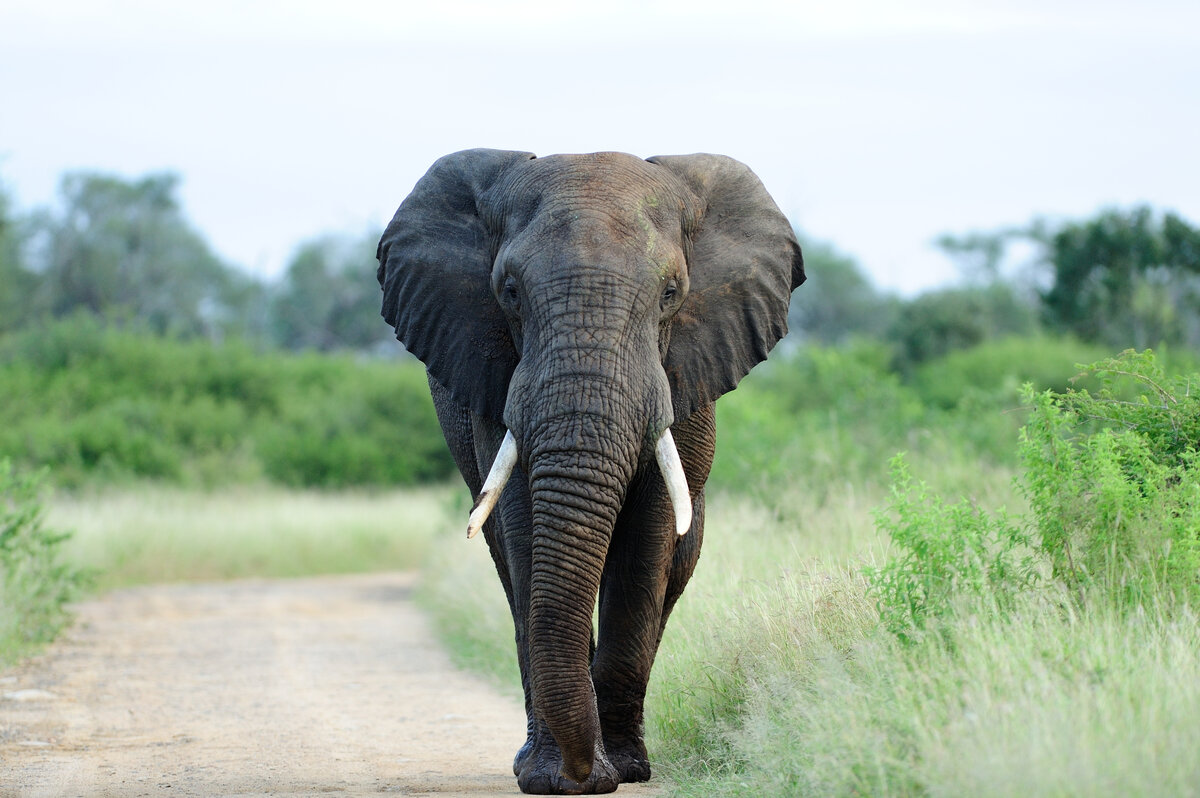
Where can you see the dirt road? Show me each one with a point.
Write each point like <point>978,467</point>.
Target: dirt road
<point>298,687</point>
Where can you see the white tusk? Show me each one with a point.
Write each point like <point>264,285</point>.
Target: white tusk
<point>493,486</point>
<point>677,487</point>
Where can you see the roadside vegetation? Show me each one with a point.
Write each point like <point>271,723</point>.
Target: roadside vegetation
<point>943,555</point>
<point>963,621</point>
<point>35,583</point>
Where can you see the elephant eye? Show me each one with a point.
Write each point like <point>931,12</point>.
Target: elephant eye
<point>510,289</point>
<point>669,292</point>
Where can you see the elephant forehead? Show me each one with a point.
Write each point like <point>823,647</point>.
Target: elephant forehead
<point>579,241</point>
<point>620,186</point>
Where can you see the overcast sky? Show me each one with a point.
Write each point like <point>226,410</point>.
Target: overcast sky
<point>875,125</point>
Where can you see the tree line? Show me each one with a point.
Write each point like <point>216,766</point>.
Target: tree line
<point>1121,279</point>
<point>122,250</point>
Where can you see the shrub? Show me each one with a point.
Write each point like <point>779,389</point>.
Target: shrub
<point>826,415</point>
<point>944,554</point>
<point>1113,483</point>
<point>101,404</point>
<point>34,585</point>
<point>371,424</point>
<point>1114,494</point>
<point>992,373</point>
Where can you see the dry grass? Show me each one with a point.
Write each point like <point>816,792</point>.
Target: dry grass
<point>162,534</point>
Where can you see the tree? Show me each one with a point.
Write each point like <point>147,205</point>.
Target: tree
<point>938,322</point>
<point>837,301</point>
<point>1125,278</point>
<point>17,284</point>
<point>122,249</point>
<point>329,298</point>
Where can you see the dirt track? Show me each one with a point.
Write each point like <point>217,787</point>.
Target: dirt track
<point>298,687</point>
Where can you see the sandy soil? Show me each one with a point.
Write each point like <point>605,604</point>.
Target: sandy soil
<point>296,687</point>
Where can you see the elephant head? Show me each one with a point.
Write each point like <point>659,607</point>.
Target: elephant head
<point>587,303</point>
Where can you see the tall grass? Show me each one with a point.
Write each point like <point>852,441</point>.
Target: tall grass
<point>1037,702</point>
<point>777,674</point>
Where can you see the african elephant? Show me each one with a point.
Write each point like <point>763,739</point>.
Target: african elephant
<point>578,316</point>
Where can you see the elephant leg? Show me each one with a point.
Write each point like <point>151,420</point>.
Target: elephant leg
<point>515,550</point>
<point>632,593</point>
<point>696,438</point>
<point>509,536</point>
<point>647,568</point>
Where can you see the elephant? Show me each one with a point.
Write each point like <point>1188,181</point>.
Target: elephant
<point>578,316</point>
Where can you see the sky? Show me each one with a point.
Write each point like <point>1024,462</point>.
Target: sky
<point>877,126</point>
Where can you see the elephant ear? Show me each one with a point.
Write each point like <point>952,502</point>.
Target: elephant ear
<point>744,264</point>
<point>435,266</point>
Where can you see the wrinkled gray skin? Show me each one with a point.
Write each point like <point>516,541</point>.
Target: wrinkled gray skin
<point>586,303</point>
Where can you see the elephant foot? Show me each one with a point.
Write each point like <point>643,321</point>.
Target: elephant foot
<point>541,772</point>
<point>523,754</point>
<point>630,759</point>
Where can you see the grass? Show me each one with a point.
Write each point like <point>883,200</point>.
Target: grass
<point>1039,703</point>
<point>775,676</point>
<point>154,533</point>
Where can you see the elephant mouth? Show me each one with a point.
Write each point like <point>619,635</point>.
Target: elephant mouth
<point>665,453</point>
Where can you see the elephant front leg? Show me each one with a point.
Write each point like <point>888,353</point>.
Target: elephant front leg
<point>632,594</point>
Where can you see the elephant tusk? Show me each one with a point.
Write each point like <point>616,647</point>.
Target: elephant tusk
<point>493,486</point>
<point>677,487</point>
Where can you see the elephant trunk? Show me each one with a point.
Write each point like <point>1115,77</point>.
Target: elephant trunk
<point>573,520</point>
<point>580,464</point>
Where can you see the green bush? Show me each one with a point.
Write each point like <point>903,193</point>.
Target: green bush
<point>1113,482</point>
<point>824,414</point>
<point>98,403</point>
<point>943,555</point>
<point>1114,495</point>
<point>993,372</point>
<point>34,585</point>
<point>373,424</point>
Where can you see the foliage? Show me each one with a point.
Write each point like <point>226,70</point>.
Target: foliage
<point>1125,278</point>
<point>991,374</point>
<point>100,403</point>
<point>16,282</point>
<point>939,322</point>
<point>122,249</point>
<point>329,298</point>
<point>354,423</point>
<point>830,414</point>
<point>837,302</point>
<point>1114,496</point>
<point>34,585</point>
<point>943,554</point>
<point>1113,482</point>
